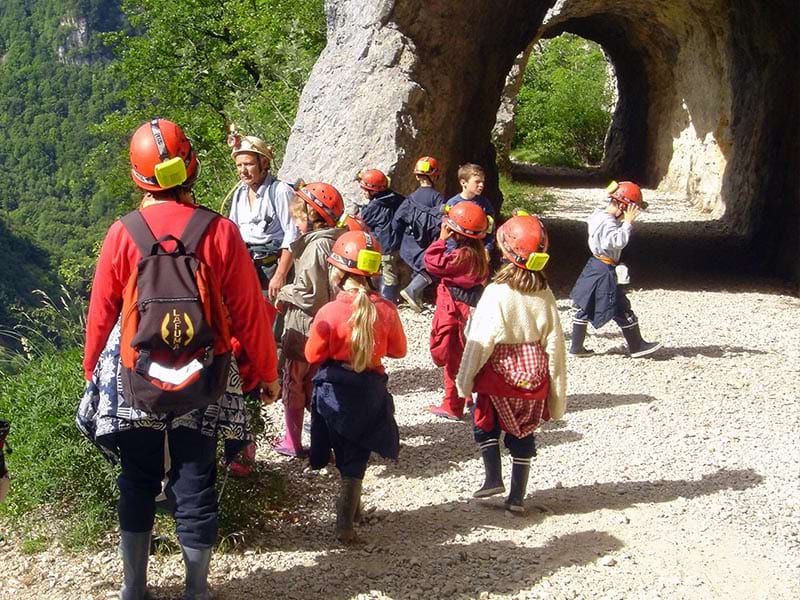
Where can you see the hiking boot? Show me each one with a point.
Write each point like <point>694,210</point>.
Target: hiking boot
<point>493,479</point>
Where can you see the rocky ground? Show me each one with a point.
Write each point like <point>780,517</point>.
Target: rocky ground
<point>670,477</point>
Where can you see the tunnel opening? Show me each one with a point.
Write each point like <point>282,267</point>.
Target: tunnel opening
<point>564,105</point>
<point>707,109</point>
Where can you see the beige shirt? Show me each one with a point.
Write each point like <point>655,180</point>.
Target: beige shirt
<point>506,316</point>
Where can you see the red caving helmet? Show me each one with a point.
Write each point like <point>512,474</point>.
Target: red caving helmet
<point>325,199</point>
<point>357,252</point>
<point>467,218</point>
<point>427,165</point>
<point>523,241</point>
<point>162,157</point>
<point>373,180</point>
<point>627,193</point>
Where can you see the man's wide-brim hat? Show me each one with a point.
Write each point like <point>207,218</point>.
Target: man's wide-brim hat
<point>250,143</point>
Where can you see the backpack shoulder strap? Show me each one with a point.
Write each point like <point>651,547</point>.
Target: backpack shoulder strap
<point>140,232</point>
<point>201,218</point>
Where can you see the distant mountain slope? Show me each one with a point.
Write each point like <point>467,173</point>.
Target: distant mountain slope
<point>54,88</point>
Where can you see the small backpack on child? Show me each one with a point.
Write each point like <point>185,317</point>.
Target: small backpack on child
<point>175,345</point>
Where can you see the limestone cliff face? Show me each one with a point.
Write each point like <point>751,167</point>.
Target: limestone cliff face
<point>708,97</point>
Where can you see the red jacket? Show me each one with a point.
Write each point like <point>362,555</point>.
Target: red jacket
<point>450,316</point>
<point>221,248</point>
<point>329,338</point>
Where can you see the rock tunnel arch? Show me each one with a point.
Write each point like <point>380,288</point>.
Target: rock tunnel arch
<point>708,98</point>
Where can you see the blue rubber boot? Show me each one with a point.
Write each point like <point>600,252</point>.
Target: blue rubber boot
<point>391,293</point>
<point>197,562</point>
<point>135,550</point>
<point>413,292</point>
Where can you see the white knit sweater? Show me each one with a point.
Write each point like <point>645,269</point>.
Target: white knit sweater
<point>507,316</point>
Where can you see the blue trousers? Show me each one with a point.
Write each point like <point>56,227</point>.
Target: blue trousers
<point>192,475</point>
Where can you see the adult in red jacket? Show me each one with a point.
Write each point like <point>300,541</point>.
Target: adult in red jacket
<point>139,437</point>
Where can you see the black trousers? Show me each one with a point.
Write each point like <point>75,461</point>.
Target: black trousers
<point>192,475</point>
<point>518,447</point>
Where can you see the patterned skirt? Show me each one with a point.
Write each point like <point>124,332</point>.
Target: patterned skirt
<point>103,411</point>
<point>515,382</point>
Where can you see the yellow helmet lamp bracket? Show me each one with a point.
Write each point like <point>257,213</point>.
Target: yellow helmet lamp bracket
<point>171,173</point>
<point>369,261</point>
<point>537,261</point>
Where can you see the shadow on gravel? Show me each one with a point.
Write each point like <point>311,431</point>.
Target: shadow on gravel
<point>399,558</point>
<point>455,571</point>
<point>415,379</point>
<point>667,353</point>
<point>578,402</point>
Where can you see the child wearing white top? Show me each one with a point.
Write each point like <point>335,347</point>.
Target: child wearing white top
<point>514,358</point>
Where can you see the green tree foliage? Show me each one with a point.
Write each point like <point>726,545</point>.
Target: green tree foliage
<point>54,86</point>
<point>564,105</point>
<point>208,63</point>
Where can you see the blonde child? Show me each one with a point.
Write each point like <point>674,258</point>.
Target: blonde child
<point>352,413</point>
<point>316,210</point>
<point>460,261</point>
<point>514,358</point>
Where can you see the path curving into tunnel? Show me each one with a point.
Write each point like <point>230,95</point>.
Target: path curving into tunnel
<point>708,98</point>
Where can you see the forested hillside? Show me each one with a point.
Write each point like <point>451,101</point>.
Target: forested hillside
<point>77,76</point>
<point>54,88</point>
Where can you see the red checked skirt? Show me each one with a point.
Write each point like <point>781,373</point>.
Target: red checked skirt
<point>513,386</point>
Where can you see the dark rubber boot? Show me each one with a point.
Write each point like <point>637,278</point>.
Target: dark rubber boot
<point>135,550</point>
<point>493,480</point>
<point>197,562</point>
<point>346,506</point>
<point>637,347</point>
<point>391,293</point>
<point>520,470</point>
<point>578,335</point>
<point>413,292</point>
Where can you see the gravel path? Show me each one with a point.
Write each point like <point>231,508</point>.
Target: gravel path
<point>673,477</point>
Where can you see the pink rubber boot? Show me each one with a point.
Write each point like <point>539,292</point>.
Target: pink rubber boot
<point>291,443</point>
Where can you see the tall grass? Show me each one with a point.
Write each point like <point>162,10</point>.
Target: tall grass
<point>62,487</point>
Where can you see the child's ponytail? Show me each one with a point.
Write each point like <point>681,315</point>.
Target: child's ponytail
<point>362,322</point>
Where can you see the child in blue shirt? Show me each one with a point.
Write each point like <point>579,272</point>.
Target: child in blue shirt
<point>417,224</point>
<point>378,214</point>
<point>472,178</point>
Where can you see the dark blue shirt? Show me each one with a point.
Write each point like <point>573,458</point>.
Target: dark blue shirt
<point>378,214</point>
<point>410,250</point>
